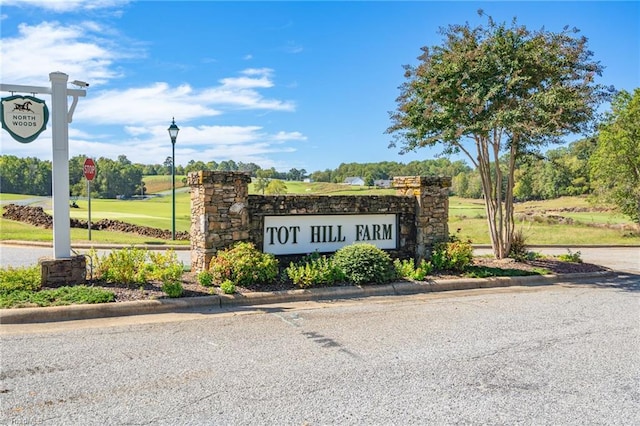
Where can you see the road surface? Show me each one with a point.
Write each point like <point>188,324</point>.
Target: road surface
<point>562,354</point>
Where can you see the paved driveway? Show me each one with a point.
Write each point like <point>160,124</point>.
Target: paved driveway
<point>616,258</point>
<point>556,355</point>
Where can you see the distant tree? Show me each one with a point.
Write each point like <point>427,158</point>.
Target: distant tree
<point>266,173</point>
<point>77,182</point>
<point>251,168</point>
<point>276,187</point>
<point>122,159</point>
<point>150,169</point>
<point>116,178</point>
<point>615,164</point>
<point>168,163</point>
<point>322,176</point>
<point>194,166</point>
<point>260,184</point>
<point>503,89</point>
<point>227,166</point>
<point>25,175</point>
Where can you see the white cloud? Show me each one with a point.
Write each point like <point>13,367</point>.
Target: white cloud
<point>74,50</point>
<point>289,136</point>
<point>241,91</point>
<point>62,6</point>
<point>145,106</point>
<point>133,121</point>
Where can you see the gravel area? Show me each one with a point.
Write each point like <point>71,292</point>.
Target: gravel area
<point>192,288</point>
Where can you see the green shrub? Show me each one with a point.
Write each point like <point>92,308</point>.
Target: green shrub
<point>364,263</point>
<point>22,278</point>
<point>56,297</point>
<point>124,266</point>
<point>137,266</point>
<point>172,288</point>
<point>164,266</point>
<point>205,278</point>
<point>244,265</point>
<point>170,273</point>
<point>571,257</point>
<point>228,287</point>
<point>314,270</point>
<point>453,255</point>
<point>405,268</point>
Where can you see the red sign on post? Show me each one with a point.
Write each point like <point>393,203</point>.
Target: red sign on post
<point>89,169</point>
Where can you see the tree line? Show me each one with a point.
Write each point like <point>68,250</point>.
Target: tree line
<point>559,172</point>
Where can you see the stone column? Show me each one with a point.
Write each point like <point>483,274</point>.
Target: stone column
<point>432,209</point>
<point>219,215</point>
<point>59,272</point>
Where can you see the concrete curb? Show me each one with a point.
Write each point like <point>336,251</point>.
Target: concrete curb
<point>104,310</point>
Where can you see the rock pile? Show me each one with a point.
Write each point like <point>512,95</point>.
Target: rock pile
<point>36,216</point>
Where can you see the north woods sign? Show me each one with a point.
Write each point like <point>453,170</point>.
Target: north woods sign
<point>327,233</point>
<point>24,117</point>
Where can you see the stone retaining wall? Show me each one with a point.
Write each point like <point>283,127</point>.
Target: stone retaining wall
<point>223,212</point>
<point>274,205</point>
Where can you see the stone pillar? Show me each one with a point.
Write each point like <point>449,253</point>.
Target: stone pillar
<point>219,214</point>
<point>432,209</point>
<point>57,272</point>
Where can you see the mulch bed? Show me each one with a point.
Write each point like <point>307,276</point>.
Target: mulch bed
<point>192,288</point>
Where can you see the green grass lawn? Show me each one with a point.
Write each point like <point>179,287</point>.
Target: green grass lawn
<point>466,215</point>
<point>6,197</point>
<point>323,188</point>
<point>12,230</point>
<point>160,183</point>
<point>153,212</point>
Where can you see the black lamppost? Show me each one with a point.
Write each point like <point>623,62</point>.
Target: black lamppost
<point>173,134</point>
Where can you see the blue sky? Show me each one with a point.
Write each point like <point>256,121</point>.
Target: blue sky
<point>286,84</point>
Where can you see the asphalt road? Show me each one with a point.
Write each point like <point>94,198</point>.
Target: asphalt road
<point>562,354</point>
<point>16,256</point>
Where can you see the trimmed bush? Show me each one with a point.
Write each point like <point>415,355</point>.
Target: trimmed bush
<point>22,278</point>
<point>137,266</point>
<point>172,288</point>
<point>453,255</point>
<point>314,270</point>
<point>205,278</point>
<point>364,263</point>
<point>228,287</point>
<point>570,257</point>
<point>244,265</point>
<point>406,269</point>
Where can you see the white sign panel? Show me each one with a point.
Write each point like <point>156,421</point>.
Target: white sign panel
<point>327,233</point>
<point>24,117</point>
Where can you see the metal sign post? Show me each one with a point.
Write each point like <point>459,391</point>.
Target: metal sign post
<point>61,116</point>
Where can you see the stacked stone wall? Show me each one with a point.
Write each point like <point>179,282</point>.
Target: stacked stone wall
<point>218,213</point>
<point>223,212</point>
<point>432,214</point>
<point>277,205</point>
<point>58,272</point>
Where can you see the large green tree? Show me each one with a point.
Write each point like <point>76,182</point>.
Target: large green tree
<point>615,164</point>
<point>492,90</point>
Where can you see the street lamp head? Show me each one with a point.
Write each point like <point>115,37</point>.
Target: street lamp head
<point>173,131</point>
